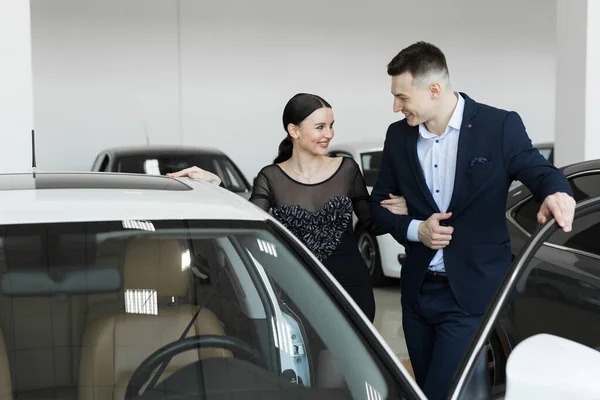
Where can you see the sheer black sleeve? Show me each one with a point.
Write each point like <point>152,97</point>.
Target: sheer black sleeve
<point>262,193</point>
<point>362,204</point>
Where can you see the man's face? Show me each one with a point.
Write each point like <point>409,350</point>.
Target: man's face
<point>414,102</point>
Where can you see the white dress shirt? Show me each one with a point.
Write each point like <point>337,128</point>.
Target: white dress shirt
<point>437,155</point>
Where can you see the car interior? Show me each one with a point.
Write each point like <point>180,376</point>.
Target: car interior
<point>83,307</point>
<point>85,344</point>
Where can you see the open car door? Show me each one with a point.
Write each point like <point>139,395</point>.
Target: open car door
<point>546,315</point>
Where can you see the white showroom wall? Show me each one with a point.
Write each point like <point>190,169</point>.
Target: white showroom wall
<point>16,92</point>
<point>104,72</point>
<point>218,73</point>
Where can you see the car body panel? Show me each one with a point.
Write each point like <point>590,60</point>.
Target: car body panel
<point>48,205</point>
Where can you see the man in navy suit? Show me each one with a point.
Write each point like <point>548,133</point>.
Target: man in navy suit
<point>453,160</point>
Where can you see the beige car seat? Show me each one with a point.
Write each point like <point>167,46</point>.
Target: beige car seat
<point>115,344</point>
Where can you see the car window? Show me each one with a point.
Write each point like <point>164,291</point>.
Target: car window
<point>340,154</point>
<point>154,165</point>
<point>234,180</point>
<point>584,236</point>
<point>584,187</point>
<point>526,215</point>
<point>371,163</point>
<point>93,309</point>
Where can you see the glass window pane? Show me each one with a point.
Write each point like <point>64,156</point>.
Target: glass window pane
<point>371,163</point>
<point>584,187</point>
<point>585,235</point>
<point>234,179</point>
<point>526,215</point>
<point>162,165</point>
<point>81,300</point>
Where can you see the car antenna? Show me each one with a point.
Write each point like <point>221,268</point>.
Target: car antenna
<point>33,161</point>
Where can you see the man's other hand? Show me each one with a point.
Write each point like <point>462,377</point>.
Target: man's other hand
<point>562,207</point>
<point>432,234</point>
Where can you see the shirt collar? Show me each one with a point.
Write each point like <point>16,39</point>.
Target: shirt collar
<point>455,120</point>
<point>457,116</point>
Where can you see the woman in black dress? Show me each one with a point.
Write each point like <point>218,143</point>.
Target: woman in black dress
<point>315,196</point>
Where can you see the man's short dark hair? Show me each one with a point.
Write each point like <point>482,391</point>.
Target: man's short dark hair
<point>420,59</point>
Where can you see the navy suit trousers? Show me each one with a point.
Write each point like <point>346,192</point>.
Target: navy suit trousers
<point>438,333</point>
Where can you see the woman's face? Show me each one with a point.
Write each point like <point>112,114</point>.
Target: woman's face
<point>314,133</point>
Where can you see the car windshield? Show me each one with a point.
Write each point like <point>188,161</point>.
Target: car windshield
<point>371,163</point>
<point>164,164</point>
<point>175,309</point>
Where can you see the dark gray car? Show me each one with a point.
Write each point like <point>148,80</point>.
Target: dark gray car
<point>161,160</point>
<point>561,294</point>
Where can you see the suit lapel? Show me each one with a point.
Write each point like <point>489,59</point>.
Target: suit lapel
<point>464,149</point>
<point>411,148</point>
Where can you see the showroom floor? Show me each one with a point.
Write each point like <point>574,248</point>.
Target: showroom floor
<point>388,318</point>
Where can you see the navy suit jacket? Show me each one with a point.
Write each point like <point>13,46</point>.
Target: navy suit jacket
<point>493,150</point>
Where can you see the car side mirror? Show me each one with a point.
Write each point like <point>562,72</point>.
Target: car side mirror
<point>551,368</point>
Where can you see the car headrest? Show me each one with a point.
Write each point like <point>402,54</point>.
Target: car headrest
<point>155,264</point>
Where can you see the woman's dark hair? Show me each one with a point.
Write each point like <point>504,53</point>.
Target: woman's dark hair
<point>296,110</point>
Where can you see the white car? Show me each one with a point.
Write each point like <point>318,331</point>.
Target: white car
<point>120,286</point>
<point>382,254</point>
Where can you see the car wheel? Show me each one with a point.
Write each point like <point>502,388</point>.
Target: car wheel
<point>369,250</point>
<point>496,360</point>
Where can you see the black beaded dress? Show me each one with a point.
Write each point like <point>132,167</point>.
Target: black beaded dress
<point>320,215</point>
